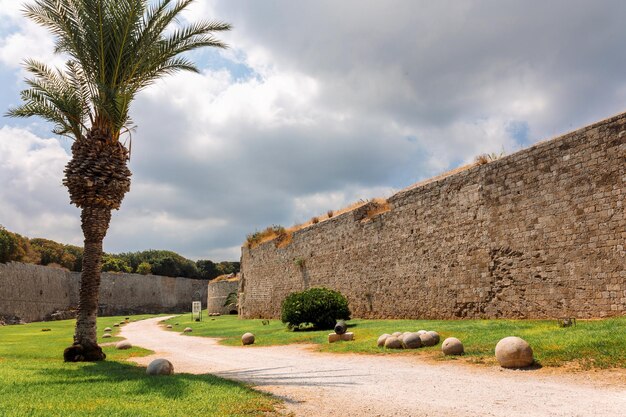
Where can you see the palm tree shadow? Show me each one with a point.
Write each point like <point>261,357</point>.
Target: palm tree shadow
<point>168,387</point>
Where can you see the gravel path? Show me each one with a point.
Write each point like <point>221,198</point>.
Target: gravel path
<point>324,384</point>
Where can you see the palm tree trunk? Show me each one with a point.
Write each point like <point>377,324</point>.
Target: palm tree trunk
<point>95,223</point>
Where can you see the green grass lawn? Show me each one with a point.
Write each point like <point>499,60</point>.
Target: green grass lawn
<point>590,344</point>
<point>34,381</point>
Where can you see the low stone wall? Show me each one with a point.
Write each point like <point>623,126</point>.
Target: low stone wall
<point>217,293</point>
<point>34,292</point>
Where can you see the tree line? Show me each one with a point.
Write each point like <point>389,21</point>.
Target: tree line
<point>14,247</point>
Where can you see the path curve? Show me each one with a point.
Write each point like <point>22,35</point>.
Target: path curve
<point>326,384</point>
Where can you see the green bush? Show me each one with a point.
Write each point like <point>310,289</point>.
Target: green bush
<point>317,307</point>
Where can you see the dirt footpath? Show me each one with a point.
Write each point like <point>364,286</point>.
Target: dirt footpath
<point>324,384</point>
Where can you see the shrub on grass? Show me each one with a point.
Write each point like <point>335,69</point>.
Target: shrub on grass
<point>319,308</point>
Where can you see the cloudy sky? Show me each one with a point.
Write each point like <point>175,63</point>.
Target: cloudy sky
<point>317,105</point>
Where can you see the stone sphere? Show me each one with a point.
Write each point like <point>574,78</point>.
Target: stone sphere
<point>160,367</point>
<point>116,325</point>
<point>188,330</point>
<point>514,352</point>
<point>435,336</point>
<point>169,326</point>
<point>452,346</point>
<point>123,345</point>
<point>106,335</point>
<point>397,334</point>
<point>411,341</point>
<point>247,339</point>
<point>427,339</point>
<point>421,332</point>
<point>107,329</point>
<point>393,342</point>
<point>382,338</point>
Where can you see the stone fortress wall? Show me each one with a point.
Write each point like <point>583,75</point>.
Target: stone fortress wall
<point>540,233</point>
<point>34,292</point>
<point>216,296</point>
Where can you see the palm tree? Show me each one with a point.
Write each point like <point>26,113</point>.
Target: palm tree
<point>115,48</point>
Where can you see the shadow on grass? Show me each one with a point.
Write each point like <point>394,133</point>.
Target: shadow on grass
<point>112,372</point>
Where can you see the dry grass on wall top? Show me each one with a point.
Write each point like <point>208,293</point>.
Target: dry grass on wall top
<point>282,236</point>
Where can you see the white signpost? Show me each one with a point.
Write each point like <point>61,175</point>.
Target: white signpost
<point>196,311</point>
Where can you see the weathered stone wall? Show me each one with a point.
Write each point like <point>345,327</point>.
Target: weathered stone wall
<point>217,294</point>
<point>33,292</point>
<point>539,233</point>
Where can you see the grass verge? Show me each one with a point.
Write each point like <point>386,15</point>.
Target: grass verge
<point>589,344</point>
<point>34,381</point>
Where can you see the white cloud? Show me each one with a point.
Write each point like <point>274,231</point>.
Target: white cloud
<point>345,101</point>
<point>32,199</point>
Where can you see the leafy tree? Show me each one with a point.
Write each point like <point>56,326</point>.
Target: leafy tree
<point>114,264</point>
<point>207,269</point>
<point>225,268</point>
<point>144,268</point>
<point>9,246</point>
<point>115,49</point>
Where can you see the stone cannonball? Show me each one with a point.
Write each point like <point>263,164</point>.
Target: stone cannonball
<point>393,342</point>
<point>160,367</point>
<point>123,345</point>
<point>396,334</point>
<point>107,329</point>
<point>116,325</point>
<point>188,330</point>
<point>435,336</point>
<point>169,326</point>
<point>382,338</point>
<point>247,339</point>
<point>427,339</point>
<point>411,341</point>
<point>514,352</point>
<point>106,335</point>
<point>421,332</point>
<point>452,346</point>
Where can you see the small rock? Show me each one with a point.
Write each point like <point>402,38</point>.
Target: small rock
<point>107,329</point>
<point>393,342</point>
<point>106,335</point>
<point>435,336</point>
<point>382,338</point>
<point>123,345</point>
<point>247,339</point>
<point>427,339</point>
<point>160,367</point>
<point>169,326</point>
<point>116,325</point>
<point>187,330</point>
<point>514,352</point>
<point>452,346</point>
<point>411,341</point>
<point>396,334</point>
